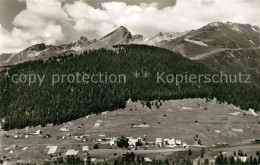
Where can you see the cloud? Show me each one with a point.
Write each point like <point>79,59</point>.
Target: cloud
<point>41,21</point>
<point>55,21</point>
<point>10,43</point>
<point>148,19</point>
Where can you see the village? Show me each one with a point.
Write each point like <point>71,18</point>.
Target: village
<point>154,133</point>
<point>94,143</point>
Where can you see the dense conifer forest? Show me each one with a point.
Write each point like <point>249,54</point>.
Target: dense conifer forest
<point>22,105</point>
<point>132,159</point>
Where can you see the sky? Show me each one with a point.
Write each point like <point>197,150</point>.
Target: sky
<point>27,22</point>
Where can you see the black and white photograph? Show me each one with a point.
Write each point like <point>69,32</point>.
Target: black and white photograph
<point>130,82</point>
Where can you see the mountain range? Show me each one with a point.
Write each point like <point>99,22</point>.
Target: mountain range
<point>229,47</point>
<point>211,39</point>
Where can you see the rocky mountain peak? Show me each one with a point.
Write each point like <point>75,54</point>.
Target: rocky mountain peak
<point>119,36</point>
<point>37,47</point>
<point>122,28</point>
<point>121,31</point>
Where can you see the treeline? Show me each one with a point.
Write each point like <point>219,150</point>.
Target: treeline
<point>22,105</point>
<point>236,160</point>
<point>126,159</point>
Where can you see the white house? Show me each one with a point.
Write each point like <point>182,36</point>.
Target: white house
<point>165,141</point>
<point>65,129</point>
<point>112,141</point>
<point>242,158</point>
<point>147,159</point>
<point>85,148</point>
<point>184,145</point>
<point>132,141</point>
<point>158,142</point>
<point>171,142</point>
<point>178,142</point>
<point>38,132</point>
<point>104,113</point>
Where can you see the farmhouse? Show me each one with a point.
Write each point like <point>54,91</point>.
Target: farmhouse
<point>65,129</point>
<point>38,132</point>
<point>110,141</point>
<point>169,142</point>
<point>178,142</point>
<point>132,141</point>
<point>147,159</point>
<point>158,142</point>
<point>85,148</point>
<point>165,141</point>
<point>14,146</point>
<point>184,145</point>
<point>242,158</point>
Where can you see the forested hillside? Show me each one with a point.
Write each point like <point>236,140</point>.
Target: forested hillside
<point>23,105</point>
<point>234,61</point>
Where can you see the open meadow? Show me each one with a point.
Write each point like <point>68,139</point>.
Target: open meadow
<point>195,122</point>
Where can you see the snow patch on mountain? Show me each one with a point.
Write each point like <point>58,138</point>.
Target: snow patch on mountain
<point>255,28</point>
<point>76,48</point>
<point>234,26</point>
<point>215,24</point>
<point>35,53</point>
<point>163,36</point>
<point>10,58</point>
<point>196,42</point>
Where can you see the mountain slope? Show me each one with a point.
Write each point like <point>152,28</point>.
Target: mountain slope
<point>227,47</point>
<point>42,51</point>
<point>119,36</point>
<point>24,105</point>
<point>163,36</point>
<point>213,38</point>
<point>245,61</point>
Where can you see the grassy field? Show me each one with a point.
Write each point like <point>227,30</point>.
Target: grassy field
<point>185,120</point>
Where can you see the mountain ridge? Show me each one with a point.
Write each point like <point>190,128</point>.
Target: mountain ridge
<point>195,44</point>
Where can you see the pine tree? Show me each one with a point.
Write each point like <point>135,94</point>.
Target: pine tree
<point>202,152</point>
